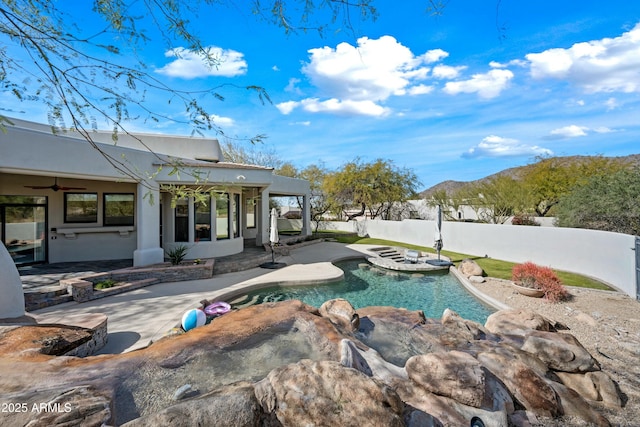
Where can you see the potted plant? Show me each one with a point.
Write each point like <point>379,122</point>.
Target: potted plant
<point>536,281</point>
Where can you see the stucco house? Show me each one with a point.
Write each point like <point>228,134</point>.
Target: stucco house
<point>61,200</point>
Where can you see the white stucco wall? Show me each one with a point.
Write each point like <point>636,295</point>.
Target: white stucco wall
<point>76,163</point>
<point>609,257</point>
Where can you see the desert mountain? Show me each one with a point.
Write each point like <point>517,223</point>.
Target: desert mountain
<point>451,186</point>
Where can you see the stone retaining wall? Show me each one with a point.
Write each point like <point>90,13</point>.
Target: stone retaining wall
<point>97,324</point>
<point>82,288</point>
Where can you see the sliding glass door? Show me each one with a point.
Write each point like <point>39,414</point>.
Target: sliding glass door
<point>23,228</point>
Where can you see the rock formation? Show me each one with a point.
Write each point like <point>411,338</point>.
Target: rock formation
<point>289,364</point>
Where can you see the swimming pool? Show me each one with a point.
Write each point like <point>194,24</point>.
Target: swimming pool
<point>365,285</point>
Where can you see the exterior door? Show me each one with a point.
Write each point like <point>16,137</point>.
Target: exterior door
<point>23,228</point>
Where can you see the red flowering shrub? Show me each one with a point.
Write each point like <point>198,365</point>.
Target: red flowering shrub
<point>523,219</point>
<point>530,275</point>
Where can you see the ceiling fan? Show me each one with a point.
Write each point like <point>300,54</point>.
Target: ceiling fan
<point>54,187</point>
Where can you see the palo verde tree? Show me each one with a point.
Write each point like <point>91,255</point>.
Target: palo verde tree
<point>551,178</point>
<point>449,203</point>
<point>319,204</point>
<point>495,199</point>
<point>379,188</point>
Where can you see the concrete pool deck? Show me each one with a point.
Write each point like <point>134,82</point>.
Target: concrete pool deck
<point>138,318</point>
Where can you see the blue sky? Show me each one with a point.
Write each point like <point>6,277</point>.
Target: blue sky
<point>476,90</point>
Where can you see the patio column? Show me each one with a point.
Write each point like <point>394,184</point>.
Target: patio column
<point>148,225</point>
<point>306,216</point>
<point>262,218</point>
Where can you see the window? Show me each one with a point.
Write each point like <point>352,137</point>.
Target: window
<point>203,221</point>
<point>80,207</point>
<point>236,215</point>
<point>182,221</point>
<point>118,209</point>
<point>250,213</point>
<point>222,216</point>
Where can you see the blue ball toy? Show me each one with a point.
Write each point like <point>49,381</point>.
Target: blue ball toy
<point>193,318</point>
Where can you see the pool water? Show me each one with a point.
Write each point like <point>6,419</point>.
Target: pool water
<point>365,285</point>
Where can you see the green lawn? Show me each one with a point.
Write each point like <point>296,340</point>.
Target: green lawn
<point>492,267</point>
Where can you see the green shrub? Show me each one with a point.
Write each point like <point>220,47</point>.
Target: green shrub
<point>177,254</point>
<point>105,284</point>
<point>530,275</point>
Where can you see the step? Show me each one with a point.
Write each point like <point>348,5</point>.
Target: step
<point>389,254</point>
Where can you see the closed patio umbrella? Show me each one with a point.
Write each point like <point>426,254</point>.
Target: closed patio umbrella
<point>273,227</point>
<point>437,237</point>
<point>438,233</point>
<point>273,239</point>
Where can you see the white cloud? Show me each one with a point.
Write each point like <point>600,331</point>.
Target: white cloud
<point>571,131</point>
<point>575,131</point>
<point>373,70</point>
<point>514,62</point>
<point>488,85</point>
<point>345,107</point>
<point>606,65</point>
<point>446,71</point>
<point>358,79</point>
<point>287,107</point>
<point>434,55</point>
<point>611,104</point>
<point>603,129</point>
<point>292,86</point>
<point>189,65</point>
<point>497,146</point>
<point>222,121</point>
<point>420,90</point>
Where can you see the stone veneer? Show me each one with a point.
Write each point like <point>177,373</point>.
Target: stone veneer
<point>82,288</point>
<point>97,323</point>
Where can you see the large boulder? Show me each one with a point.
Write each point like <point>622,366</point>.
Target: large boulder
<point>341,313</point>
<point>69,406</point>
<point>525,385</point>
<point>234,405</point>
<point>469,267</point>
<point>572,404</point>
<point>560,351</point>
<point>429,409</point>
<point>369,362</point>
<point>516,322</point>
<point>596,386</point>
<point>327,393</point>
<point>458,331</point>
<point>452,374</point>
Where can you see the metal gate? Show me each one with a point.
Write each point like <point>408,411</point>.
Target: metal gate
<point>638,268</point>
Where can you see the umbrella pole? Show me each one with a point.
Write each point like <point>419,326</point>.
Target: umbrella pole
<point>273,257</point>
